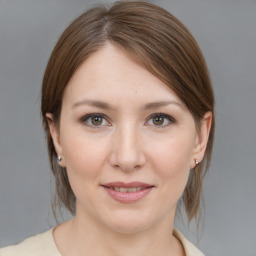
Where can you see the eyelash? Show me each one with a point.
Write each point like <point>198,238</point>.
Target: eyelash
<point>85,119</point>
<point>170,119</point>
<point>162,115</point>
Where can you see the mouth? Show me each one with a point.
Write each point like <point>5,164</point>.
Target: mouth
<point>127,192</point>
<point>127,187</point>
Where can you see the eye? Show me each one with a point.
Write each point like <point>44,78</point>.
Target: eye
<point>161,120</point>
<point>95,120</point>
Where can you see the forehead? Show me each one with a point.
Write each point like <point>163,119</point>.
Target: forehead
<point>110,73</point>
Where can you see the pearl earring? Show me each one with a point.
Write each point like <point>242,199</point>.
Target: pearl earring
<point>59,158</point>
<point>196,162</point>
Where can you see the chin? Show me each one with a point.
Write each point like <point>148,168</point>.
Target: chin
<point>128,228</point>
<point>127,222</point>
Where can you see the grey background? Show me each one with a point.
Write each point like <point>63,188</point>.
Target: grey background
<point>226,33</point>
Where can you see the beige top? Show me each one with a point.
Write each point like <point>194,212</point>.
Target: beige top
<point>43,244</point>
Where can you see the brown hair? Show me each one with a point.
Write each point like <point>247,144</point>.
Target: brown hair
<point>161,44</point>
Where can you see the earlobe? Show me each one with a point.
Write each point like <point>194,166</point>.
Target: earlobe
<point>202,138</point>
<point>55,138</point>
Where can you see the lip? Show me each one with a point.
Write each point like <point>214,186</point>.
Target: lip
<point>127,197</point>
<point>133,184</point>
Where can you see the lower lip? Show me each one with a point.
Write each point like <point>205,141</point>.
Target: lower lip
<point>128,197</point>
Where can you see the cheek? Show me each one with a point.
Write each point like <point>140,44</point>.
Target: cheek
<point>84,162</point>
<point>172,164</point>
<point>84,158</point>
<point>173,156</point>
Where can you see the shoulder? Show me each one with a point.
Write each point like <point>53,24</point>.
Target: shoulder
<point>38,245</point>
<point>189,248</point>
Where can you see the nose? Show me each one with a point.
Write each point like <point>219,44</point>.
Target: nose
<point>127,149</point>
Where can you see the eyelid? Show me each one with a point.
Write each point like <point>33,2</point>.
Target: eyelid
<point>170,118</point>
<point>85,118</point>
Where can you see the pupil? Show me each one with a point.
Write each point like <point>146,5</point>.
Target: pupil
<point>97,120</point>
<point>158,120</point>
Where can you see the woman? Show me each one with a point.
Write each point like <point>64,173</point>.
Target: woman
<point>128,110</point>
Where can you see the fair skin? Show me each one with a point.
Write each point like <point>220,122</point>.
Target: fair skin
<point>130,142</point>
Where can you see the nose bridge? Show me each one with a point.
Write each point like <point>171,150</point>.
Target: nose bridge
<point>128,151</point>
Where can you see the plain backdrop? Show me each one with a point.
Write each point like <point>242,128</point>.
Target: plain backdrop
<point>226,33</point>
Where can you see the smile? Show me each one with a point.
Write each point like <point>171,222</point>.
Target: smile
<point>127,192</point>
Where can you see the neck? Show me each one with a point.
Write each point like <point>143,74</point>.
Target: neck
<point>84,236</point>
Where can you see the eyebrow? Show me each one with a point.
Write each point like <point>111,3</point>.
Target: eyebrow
<point>104,105</point>
<point>153,105</point>
<point>93,103</point>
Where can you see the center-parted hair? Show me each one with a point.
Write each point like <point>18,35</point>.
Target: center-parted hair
<point>157,41</point>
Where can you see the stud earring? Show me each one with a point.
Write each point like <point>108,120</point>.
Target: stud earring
<point>59,158</point>
<point>196,162</point>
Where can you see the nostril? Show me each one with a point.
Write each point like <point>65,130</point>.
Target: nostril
<point>126,155</point>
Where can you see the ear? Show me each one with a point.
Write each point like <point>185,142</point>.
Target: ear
<point>56,138</point>
<point>202,138</point>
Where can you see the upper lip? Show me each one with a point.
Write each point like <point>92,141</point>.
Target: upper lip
<point>120,184</point>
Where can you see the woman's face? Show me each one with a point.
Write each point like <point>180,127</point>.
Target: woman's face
<point>127,141</point>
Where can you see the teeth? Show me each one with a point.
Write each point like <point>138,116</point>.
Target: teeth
<point>123,190</point>
<point>132,189</point>
<point>127,190</point>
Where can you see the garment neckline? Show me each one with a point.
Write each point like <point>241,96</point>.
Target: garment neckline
<point>184,242</point>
